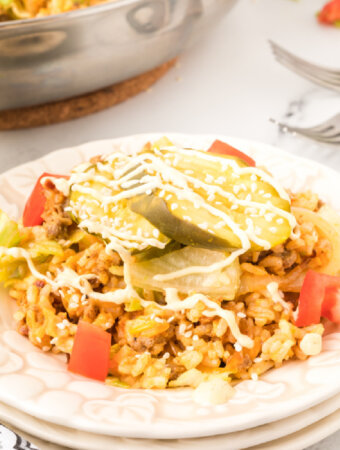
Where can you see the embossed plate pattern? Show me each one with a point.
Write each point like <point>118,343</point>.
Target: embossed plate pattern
<point>258,436</point>
<point>39,384</point>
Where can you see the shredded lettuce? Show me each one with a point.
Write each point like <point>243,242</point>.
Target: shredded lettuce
<point>42,249</point>
<point>133,305</point>
<point>14,269</point>
<point>114,381</point>
<point>77,236</point>
<point>223,281</point>
<point>11,270</point>
<point>9,231</point>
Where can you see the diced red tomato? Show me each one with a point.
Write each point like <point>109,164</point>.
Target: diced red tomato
<point>310,300</point>
<point>330,13</point>
<point>331,304</point>
<point>90,355</point>
<point>226,149</point>
<point>36,203</point>
<point>319,297</point>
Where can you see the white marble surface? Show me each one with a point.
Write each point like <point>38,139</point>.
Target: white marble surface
<point>230,84</point>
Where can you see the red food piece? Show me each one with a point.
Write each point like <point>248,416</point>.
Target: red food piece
<point>330,13</point>
<point>331,304</point>
<point>319,297</point>
<point>36,202</point>
<point>90,355</point>
<point>226,149</point>
<point>310,299</point>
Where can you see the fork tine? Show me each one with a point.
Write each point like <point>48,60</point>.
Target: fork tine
<point>285,127</point>
<point>309,68</point>
<point>327,73</point>
<point>333,139</point>
<point>316,137</point>
<point>323,137</point>
<point>321,130</point>
<point>333,136</point>
<point>322,69</point>
<point>335,86</point>
<point>323,127</point>
<point>311,132</point>
<point>328,78</point>
<point>328,125</point>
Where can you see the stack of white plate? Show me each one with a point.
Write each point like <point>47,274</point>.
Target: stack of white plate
<point>294,433</point>
<point>290,407</point>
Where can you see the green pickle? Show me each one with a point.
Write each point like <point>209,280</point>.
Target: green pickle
<point>171,215</point>
<point>187,221</point>
<point>120,213</point>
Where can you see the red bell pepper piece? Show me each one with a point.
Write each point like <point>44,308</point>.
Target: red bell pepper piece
<point>330,13</point>
<point>36,202</point>
<point>319,297</point>
<point>90,355</point>
<point>226,149</point>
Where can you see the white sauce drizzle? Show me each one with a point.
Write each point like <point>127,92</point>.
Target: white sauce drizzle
<point>61,184</point>
<point>276,296</point>
<point>68,278</point>
<point>153,172</point>
<point>175,304</point>
<point>162,173</point>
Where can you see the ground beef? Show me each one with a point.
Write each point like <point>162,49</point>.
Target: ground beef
<point>155,345</point>
<point>56,220</point>
<point>176,370</point>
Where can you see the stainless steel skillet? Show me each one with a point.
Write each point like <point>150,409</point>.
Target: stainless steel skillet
<point>57,57</point>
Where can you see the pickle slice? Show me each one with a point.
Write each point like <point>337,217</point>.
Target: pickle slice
<point>212,201</point>
<point>199,228</point>
<point>246,197</point>
<point>217,172</point>
<point>163,143</point>
<point>154,252</point>
<point>176,224</point>
<point>117,218</point>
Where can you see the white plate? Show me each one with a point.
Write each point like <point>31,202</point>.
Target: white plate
<point>291,429</point>
<point>306,437</point>
<point>40,385</point>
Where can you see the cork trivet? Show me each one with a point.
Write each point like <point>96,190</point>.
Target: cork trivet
<point>73,108</point>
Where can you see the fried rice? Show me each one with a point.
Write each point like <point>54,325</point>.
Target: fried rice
<point>155,347</point>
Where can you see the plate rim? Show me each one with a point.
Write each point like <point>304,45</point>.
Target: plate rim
<point>58,438</point>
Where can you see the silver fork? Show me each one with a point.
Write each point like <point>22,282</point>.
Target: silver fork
<point>326,77</point>
<point>328,131</point>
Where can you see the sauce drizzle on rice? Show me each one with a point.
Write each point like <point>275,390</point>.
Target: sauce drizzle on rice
<point>157,173</point>
<point>178,313</point>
